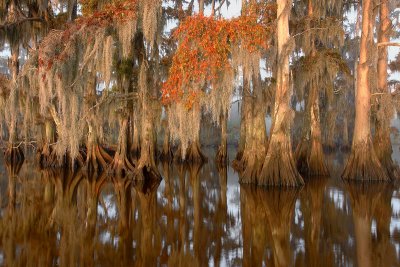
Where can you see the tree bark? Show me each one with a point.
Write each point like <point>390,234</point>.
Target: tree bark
<point>309,153</point>
<point>279,168</point>
<point>222,156</point>
<point>363,164</point>
<point>381,141</point>
<point>256,137</point>
<point>147,167</point>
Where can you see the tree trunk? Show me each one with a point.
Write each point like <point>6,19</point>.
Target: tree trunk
<point>14,153</point>
<point>363,164</point>
<point>256,137</point>
<point>279,168</point>
<point>97,159</point>
<point>135,149</point>
<point>309,153</point>
<point>381,141</point>
<point>166,153</point>
<point>242,137</point>
<point>201,7</point>
<point>46,155</point>
<point>122,165</point>
<point>222,156</point>
<point>147,167</point>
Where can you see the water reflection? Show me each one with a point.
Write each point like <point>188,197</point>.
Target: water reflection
<point>198,215</point>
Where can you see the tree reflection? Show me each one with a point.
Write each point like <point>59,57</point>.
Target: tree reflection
<point>368,199</point>
<point>150,237</point>
<point>274,206</point>
<point>312,197</point>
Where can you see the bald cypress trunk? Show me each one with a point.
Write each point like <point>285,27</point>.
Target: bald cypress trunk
<point>382,143</point>
<point>363,164</point>
<point>255,133</point>
<point>222,157</point>
<point>309,153</point>
<point>279,168</point>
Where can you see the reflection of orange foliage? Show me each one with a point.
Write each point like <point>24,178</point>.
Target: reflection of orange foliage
<point>205,47</point>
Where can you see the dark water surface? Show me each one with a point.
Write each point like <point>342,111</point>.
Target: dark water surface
<point>196,216</point>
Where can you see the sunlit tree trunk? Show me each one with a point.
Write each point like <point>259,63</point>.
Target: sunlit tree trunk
<point>363,164</point>
<point>279,168</point>
<point>201,7</point>
<point>382,143</point>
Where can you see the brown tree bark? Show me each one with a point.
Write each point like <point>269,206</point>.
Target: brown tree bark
<point>309,153</point>
<point>146,167</point>
<point>279,168</point>
<point>222,155</point>
<point>363,164</point>
<point>166,153</point>
<point>381,141</point>
<point>255,133</point>
<point>121,164</point>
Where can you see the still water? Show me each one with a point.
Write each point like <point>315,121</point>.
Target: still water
<point>196,216</point>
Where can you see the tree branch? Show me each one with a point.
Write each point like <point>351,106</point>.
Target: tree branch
<point>388,44</point>
<point>7,25</point>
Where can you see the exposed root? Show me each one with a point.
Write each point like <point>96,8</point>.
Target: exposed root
<point>146,186</point>
<point>221,158</point>
<point>364,165</point>
<point>122,166</point>
<point>238,157</point>
<point>135,150</point>
<point>166,154</point>
<point>97,159</point>
<point>279,168</point>
<point>193,154</point>
<point>310,158</point>
<point>47,157</point>
<point>248,166</point>
<point>14,155</point>
<point>13,168</point>
<point>146,172</point>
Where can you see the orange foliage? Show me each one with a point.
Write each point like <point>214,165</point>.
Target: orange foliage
<point>110,14</point>
<point>204,50</point>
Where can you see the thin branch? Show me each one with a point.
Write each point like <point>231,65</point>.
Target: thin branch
<point>7,25</point>
<point>388,44</point>
<point>310,29</point>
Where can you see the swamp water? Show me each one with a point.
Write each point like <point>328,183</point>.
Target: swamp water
<point>196,216</point>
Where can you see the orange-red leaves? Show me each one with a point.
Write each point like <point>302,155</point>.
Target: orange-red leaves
<point>204,50</point>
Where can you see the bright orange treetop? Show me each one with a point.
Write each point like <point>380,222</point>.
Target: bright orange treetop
<point>205,48</point>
